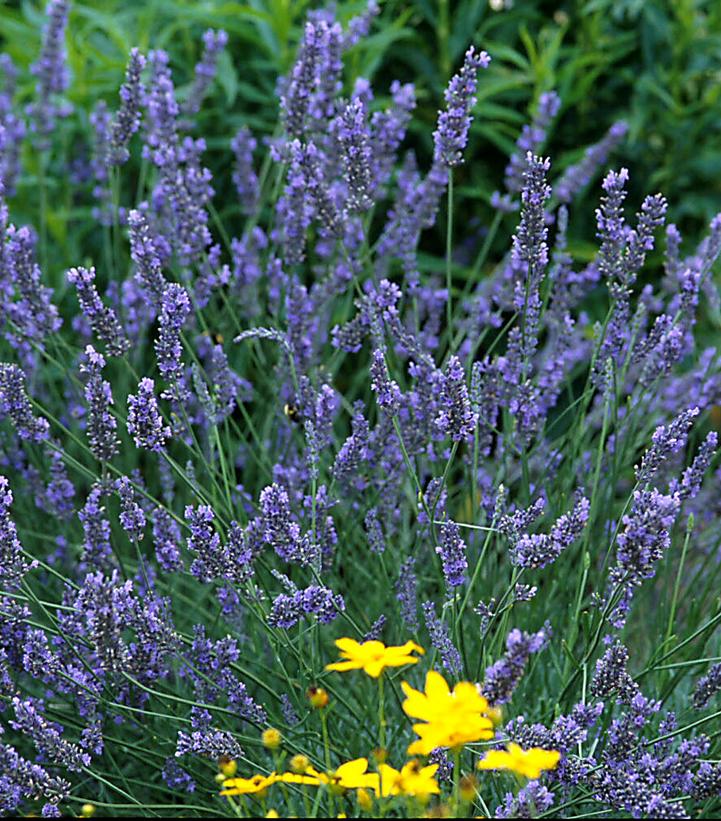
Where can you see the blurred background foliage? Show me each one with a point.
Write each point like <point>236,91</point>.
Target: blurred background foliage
<point>655,64</point>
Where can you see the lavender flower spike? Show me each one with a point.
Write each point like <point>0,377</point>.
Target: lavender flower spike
<point>12,562</point>
<point>455,417</point>
<point>52,73</point>
<point>354,138</point>
<point>127,120</point>
<point>502,678</point>
<point>102,426</point>
<point>214,42</point>
<point>452,551</point>
<point>451,135</point>
<point>146,256</point>
<point>145,423</point>
<point>168,347</point>
<point>102,319</point>
<point>539,550</point>
<point>14,403</point>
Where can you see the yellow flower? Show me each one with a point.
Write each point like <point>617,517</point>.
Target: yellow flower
<point>453,717</point>
<point>272,738</point>
<point>352,775</point>
<point>227,766</point>
<point>87,810</point>
<point>248,786</point>
<point>373,656</point>
<point>530,763</point>
<point>365,800</point>
<point>412,780</point>
<point>272,814</point>
<point>318,697</point>
<point>299,763</point>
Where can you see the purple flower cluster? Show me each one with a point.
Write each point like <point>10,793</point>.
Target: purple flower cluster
<point>103,320</point>
<point>288,609</point>
<point>374,438</point>
<point>452,551</point>
<point>540,550</point>
<point>451,135</point>
<point>101,425</point>
<point>502,677</point>
<point>145,424</point>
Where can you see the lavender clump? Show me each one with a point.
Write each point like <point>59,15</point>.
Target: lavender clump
<point>374,532</point>
<point>214,561</point>
<point>387,392</point>
<point>337,465</point>
<point>280,531</point>
<point>531,139</point>
<point>147,258</point>
<point>30,720</point>
<point>531,800</point>
<point>12,128</point>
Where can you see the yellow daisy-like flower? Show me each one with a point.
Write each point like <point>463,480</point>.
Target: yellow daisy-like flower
<point>352,775</point>
<point>373,656</point>
<point>248,786</point>
<point>453,717</point>
<point>412,780</point>
<point>530,763</point>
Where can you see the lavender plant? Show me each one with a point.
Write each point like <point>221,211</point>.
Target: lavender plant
<point>257,428</point>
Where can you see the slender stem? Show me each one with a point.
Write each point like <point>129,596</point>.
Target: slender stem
<point>449,250</point>
<point>381,714</point>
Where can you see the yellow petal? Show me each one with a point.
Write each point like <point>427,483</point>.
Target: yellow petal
<point>436,685</point>
<point>342,666</point>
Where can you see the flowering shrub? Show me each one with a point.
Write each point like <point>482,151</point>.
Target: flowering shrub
<point>252,428</point>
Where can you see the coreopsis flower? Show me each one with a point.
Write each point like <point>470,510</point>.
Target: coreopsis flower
<point>373,656</point>
<point>248,786</point>
<point>451,718</point>
<point>352,775</point>
<point>529,763</point>
<point>413,780</point>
